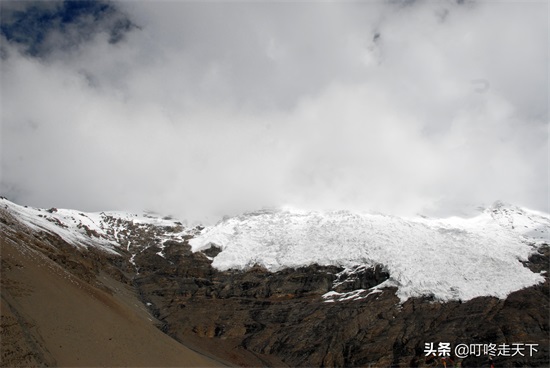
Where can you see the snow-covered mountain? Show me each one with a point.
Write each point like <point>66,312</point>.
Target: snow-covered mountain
<point>110,231</point>
<point>449,259</point>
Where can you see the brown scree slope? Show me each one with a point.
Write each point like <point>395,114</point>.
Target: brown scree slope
<point>52,317</point>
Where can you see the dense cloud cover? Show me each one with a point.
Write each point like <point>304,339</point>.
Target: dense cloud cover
<point>205,109</point>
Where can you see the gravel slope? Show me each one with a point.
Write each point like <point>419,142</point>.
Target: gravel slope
<point>52,317</point>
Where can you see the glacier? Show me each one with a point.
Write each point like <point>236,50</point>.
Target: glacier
<point>447,259</point>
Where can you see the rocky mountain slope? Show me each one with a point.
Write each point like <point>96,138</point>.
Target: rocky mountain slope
<point>288,288</point>
<point>67,299</point>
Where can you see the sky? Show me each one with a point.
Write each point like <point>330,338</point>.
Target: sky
<point>206,109</point>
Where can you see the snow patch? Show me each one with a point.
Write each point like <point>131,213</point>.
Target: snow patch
<point>108,231</point>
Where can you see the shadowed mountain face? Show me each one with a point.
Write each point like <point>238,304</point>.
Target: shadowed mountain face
<point>244,317</point>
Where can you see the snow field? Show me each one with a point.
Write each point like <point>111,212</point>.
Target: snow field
<point>448,259</point>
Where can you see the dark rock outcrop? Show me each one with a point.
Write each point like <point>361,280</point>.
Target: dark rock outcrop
<point>261,318</point>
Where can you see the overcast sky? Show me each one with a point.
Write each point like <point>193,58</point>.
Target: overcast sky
<point>205,109</point>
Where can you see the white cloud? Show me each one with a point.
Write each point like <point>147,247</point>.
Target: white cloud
<point>220,108</point>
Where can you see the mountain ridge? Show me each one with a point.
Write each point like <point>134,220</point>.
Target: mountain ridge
<point>407,247</point>
<point>301,315</point>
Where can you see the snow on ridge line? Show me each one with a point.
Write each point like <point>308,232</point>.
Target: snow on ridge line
<point>449,259</point>
<point>83,229</point>
<point>70,225</point>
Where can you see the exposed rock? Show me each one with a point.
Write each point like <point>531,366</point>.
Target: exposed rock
<point>213,251</point>
<point>282,315</point>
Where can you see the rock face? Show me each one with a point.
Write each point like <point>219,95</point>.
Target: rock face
<point>285,318</point>
<point>256,316</point>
